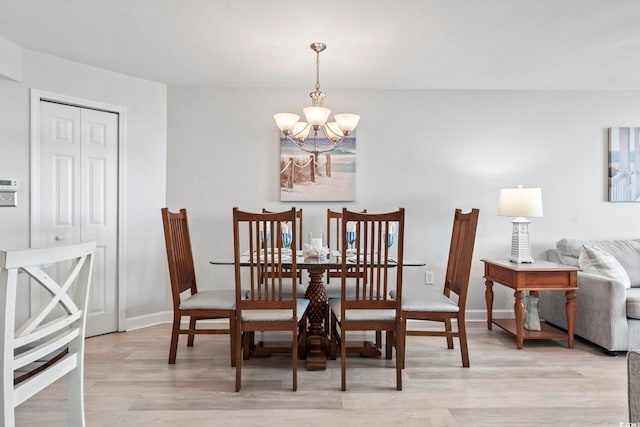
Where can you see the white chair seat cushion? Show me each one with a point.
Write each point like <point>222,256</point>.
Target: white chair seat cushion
<point>210,300</point>
<point>276,315</point>
<point>429,302</point>
<point>360,315</point>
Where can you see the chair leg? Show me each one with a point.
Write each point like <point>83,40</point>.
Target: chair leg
<point>238,354</point>
<point>192,326</point>
<point>232,340</point>
<point>379,339</point>
<point>462,332</point>
<point>333,347</point>
<point>175,331</point>
<point>447,327</point>
<point>247,340</point>
<point>399,341</point>
<point>327,329</point>
<point>343,357</point>
<point>294,357</point>
<point>389,345</point>
<point>75,395</point>
<point>403,338</point>
<point>302,339</point>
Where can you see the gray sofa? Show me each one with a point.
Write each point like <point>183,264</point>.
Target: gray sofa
<point>608,310</point>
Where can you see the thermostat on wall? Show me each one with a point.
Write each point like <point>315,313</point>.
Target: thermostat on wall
<point>8,184</point>
<point>8,192</point>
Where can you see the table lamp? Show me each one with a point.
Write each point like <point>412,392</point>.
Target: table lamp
<point>520,203</point>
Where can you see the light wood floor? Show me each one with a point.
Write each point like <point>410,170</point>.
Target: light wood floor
<point>129,383</point>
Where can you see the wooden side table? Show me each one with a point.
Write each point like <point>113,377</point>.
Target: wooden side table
<point>541,275</point>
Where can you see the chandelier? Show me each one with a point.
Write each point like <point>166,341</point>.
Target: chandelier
<point>316,119</point>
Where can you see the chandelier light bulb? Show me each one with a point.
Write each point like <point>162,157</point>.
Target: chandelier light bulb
<point>286,122</point>
<point>333,131</point>
<point>301,131</point>
<point>316,116</point>
<point>347,122</point>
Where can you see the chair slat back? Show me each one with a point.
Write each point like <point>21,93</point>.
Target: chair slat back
<point>57,325</point>
<point>262,265</point>
<point>334,238</point>
<point>298,224</point>
<point>179,255</point>
<point>334,229</point>
<point>375,270</point>
<point>460,254</point>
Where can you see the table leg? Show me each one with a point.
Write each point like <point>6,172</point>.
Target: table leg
<point>317,337</point>
<point>518,309</point>
<point>488,296</point>
<point>570,307</point>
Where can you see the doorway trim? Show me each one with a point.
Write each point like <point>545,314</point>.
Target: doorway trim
<point>37,95</point>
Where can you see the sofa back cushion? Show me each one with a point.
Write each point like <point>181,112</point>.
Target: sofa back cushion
<point>596,261</point>
<point>627,252</point>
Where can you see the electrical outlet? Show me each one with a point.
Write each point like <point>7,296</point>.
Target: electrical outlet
<point>428,277</point>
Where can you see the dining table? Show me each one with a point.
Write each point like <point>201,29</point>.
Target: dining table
<point>316,293</point>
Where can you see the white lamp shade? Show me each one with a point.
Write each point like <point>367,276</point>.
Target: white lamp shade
<point>520,202</point>
<point>286,121</point>
<point>301,131</point>
<point>316,116</point>
<point>333,131</point>
<point>347,122</point>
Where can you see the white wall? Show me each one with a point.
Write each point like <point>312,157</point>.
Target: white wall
<point>145,168</point>
<point>427,151</point>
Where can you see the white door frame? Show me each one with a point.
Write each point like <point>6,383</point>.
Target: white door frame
<point>34,226</point>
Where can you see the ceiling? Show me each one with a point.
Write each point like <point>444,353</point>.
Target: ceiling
<point>384,44</point>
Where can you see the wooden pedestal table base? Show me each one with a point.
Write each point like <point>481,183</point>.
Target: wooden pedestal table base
<point>317,342</point>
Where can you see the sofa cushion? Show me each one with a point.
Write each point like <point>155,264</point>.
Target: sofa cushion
<point>569,250</point>
<point>596,261</point>
<point>633,303</point>
<point>627,252</point>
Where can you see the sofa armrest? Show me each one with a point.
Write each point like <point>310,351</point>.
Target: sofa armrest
<point>601,311</point>
<point>602,293</point>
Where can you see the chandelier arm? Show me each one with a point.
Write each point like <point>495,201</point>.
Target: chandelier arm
<point>331,136</point>
<point>295,135</point>
<point>300,145</point>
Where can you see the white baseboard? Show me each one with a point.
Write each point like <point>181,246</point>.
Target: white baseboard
<point>147,320</point>
<point>161,317</point>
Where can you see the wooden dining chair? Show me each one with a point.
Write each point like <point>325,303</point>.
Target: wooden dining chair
<point>442,307</point>
<point>370,307</point>
<point>266,302</point>
<point>49,344</point>
<point>335,243</point>
<point>187,300</point>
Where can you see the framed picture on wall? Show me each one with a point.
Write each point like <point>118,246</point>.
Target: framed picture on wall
<point>624,164</point>
<point>329,176</point>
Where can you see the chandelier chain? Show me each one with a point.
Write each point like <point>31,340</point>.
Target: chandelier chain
<point>317,71</point>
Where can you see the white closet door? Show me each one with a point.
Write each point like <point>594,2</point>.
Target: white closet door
<point>78,196</point>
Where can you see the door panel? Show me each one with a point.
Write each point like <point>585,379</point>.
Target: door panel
<point>98,221</point>
<point>59,171</point>
<point>78,196</point>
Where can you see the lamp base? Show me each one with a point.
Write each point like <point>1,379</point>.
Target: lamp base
<point>522,260</point>
<point>520,243</point>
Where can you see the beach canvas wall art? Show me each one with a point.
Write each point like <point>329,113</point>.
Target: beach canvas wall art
<point>624,164</point>
<point>331,177</point>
